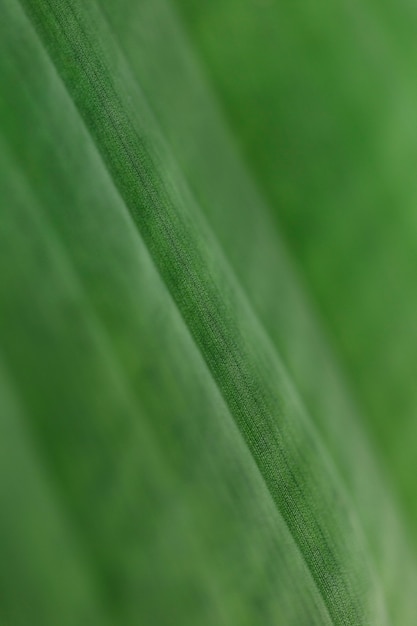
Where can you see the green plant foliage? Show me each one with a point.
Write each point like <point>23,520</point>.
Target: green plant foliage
<point>179,445</point>
<point>322,96</point>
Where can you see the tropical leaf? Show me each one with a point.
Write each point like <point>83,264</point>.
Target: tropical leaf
<point>179,444</point>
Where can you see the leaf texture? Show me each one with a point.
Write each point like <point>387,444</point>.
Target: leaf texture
<point>184,448</point>
<point>328,126</point>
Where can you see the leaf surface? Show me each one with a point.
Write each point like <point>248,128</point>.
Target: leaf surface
<point>188,448</point>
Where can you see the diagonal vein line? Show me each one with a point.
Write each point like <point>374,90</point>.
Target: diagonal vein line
<point>54,235</point>
<point>157,198</point>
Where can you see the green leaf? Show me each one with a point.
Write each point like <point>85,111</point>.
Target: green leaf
<point>322,97</point>
<point>178,443</point>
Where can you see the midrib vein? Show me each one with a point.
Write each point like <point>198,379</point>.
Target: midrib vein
<point>71,274</point>
<point>158,198</point>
